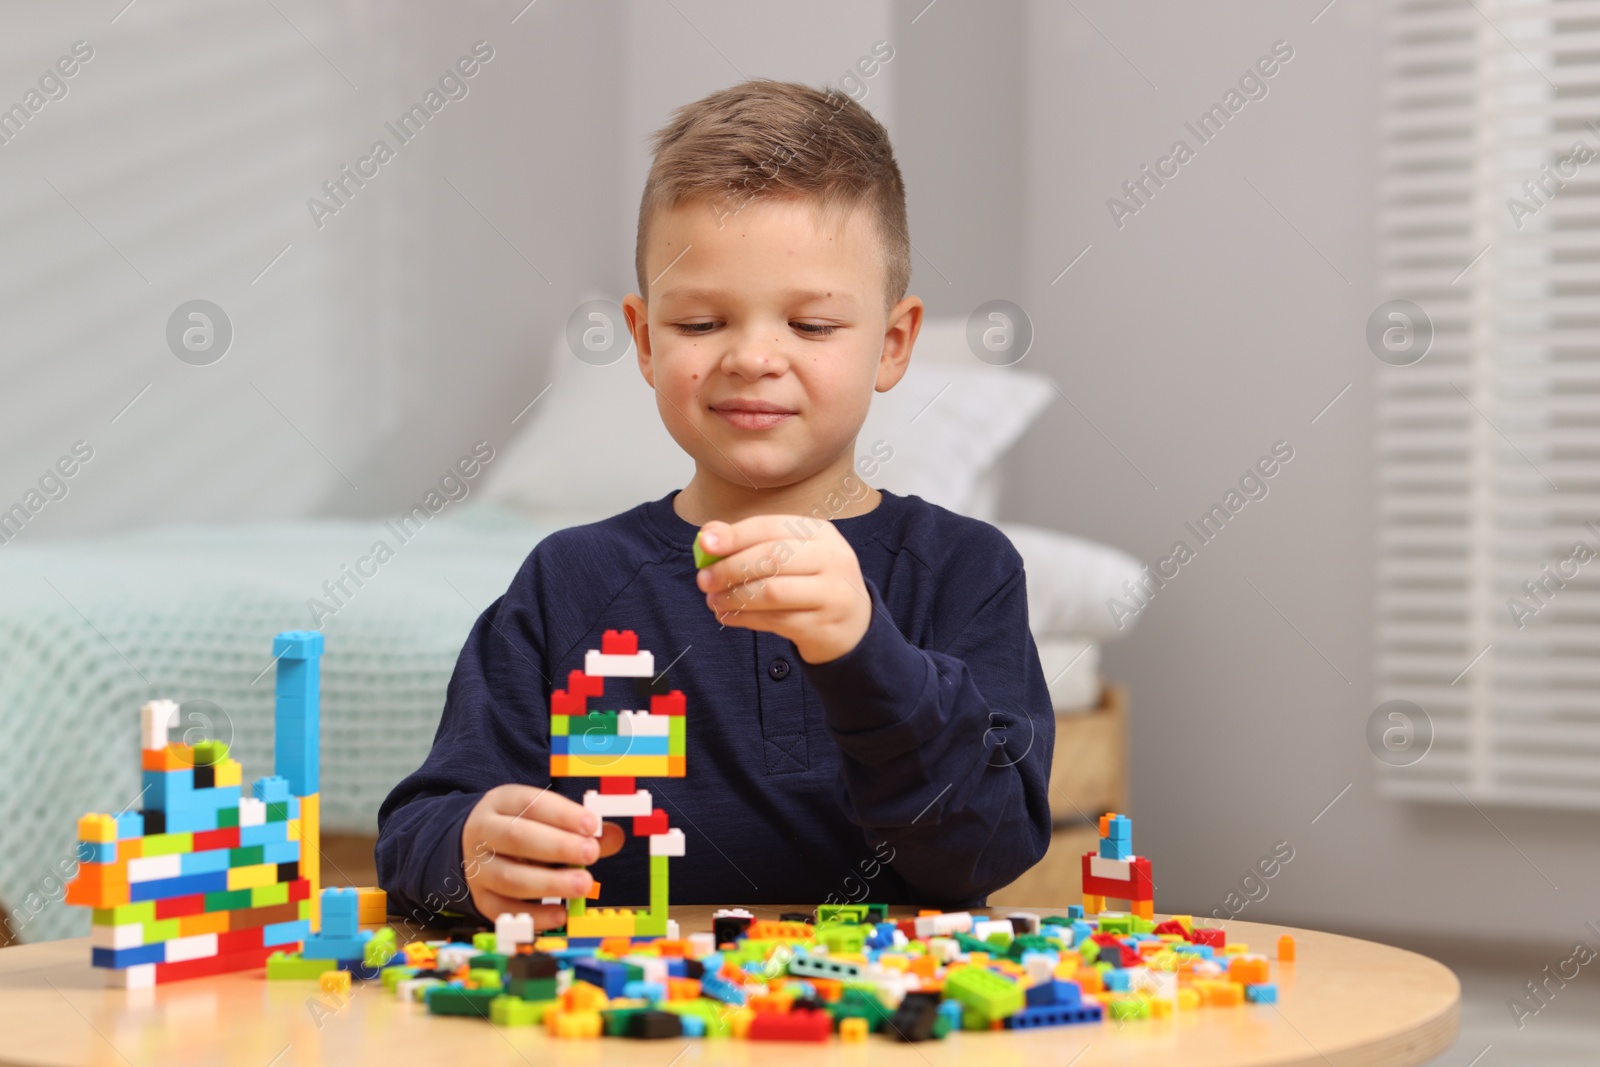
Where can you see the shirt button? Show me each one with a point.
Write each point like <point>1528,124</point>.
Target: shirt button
<point>778,669</point>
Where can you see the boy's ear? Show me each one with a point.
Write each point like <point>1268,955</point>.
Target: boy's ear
<point>638,316</point>
<point>905,322</point>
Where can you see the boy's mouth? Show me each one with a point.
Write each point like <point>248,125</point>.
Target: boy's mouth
<point>752,414</point>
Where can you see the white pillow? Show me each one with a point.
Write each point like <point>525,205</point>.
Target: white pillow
<point>1069,581</point>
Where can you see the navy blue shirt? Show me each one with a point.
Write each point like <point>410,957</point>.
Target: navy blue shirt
<point>914,769</point>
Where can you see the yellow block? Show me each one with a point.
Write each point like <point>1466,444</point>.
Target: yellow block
<point>229,772</point>
<point>311,853</point>
<point>292,828</point>
<point>611,766</point>
<point>601,922</point>
<point>97,828</point>
<point>252,877</point>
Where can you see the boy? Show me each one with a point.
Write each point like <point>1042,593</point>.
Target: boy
<point>867,717</point>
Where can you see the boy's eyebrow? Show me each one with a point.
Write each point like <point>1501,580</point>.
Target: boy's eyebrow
<point>791,294</point>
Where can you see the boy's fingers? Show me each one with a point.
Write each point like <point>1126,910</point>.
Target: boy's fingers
<point>788,592</point>
<point>546,806</point>
<point>529,881</point>
<point>543,843</point>
<point>725,538</point>
<point>545,916</point>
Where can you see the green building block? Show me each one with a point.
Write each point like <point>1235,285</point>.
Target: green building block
<point>485,979</point>
<point>229,900</point>
<point>676,743</point>
<point>991,995</point>
<point>845,913</point>
<point>842,937</point>
<point>158,930</point>
<point>702,558</point>
<point>380,948</point>
<point>393,976</point>
<point>560,725</point>
<point>248,856</point>
<point>1116,924</point>
<point>533,988</point>
<point>227,818</point>
<point>168,844</point>
<point>857,1003</point>
<point>658,889</point>
<point>1032,943</point>
<point>595,723</point>
<point>268,895</point>
<point>291,966</point>
<point>278,811</point>
<point>512,1011</point>
<point>122,914</point>
<point>457,1000</point>
<point>1089,951</point>
<point>1128,1007</point>
<point>614,1021</point>
<point>209,753</point>
<point>484,941</point>
<point>714,1013</point>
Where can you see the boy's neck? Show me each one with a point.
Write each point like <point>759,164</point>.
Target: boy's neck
<point>836,492</point>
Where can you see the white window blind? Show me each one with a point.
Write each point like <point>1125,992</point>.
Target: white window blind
<point>1489,446</point>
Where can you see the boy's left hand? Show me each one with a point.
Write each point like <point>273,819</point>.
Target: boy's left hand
<point>789,575</point>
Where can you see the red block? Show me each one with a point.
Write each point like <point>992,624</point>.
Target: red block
<point>791,1026</point>
<point>565,703</point>
<point>211,965</point>
<point>232,941</point>
<point>617,786</point>
<point>672,703</point>
<point>650,825</point>
<point>177,907</point>
<point>1171,926</point>
<point>206,840</point>
<point>619,643</point>
<point>581,684</point>
<point>1216,937</point>
<point>1138,886</point>
<point>300,889</point>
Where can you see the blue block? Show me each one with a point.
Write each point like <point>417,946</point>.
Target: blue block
<point>217,797</point>
<point>97,852</point>
<point>951,1010</point>
<point>1054,993</point>
<point>1121,828</point>
<point>1053,1015</point>
<point>340,909</point>
<point>693,1025</point>
<point>165,790</point>
<point>1074,911</point>
<point>714,987</point>
<point>268,833</point>
<point>298,715</point>
<point>119,958</point>
<point>608,745</point>
<point>360,971</point>
<point>189,819</point>
<point>652,991</point>
<point>183,886</point>
<point>281,852</point>
<point>1265,993</point>
<point>1113,849</point>
<point>323,947</point>
<point>283,933</point>
<point>215,859</point>
<point>609,975</point>
<point>271,789</point>
<point>1082,930</point>
<point>297,645</point>
<point>130,824</point>
<point>1118,979</point>
<point>677,967</point>
<point>1205,952</point>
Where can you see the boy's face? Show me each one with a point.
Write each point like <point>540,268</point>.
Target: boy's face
<point>766,334</point>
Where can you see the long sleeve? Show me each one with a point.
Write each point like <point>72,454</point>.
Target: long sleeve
<point>945,753</point>
<point>494,730</point>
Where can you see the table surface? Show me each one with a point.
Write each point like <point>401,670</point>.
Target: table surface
<point>1344,1001</point>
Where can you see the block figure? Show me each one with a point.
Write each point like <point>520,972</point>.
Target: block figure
<point>207,878</point>
<point>1115,872</point>
<point>618,746</point>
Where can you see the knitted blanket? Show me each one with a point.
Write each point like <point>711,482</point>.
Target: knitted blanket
<point>95,627</point>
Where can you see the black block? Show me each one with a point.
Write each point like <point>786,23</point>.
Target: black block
<point>797,917</point>
<point>913,1020</point>
<point>655,1024</point>
<point>694,969</point>
<point>155,822</point>
<point>532,965</point>
<point>729,928</point>
<point>205,777</point>
<point>289,872</point>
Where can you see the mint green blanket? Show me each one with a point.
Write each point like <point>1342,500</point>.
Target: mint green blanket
<point>95,627</point>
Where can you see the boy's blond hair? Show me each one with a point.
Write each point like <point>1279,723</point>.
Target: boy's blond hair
<point>765,139</point>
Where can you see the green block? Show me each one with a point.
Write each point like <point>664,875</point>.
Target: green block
<point>230,900</point>
<point>1143,926</point>
<point>278,811</point>
<point>227,818</point>
<point>1089,951</point>
<point>533,988</point>
<point>985,992</point>
<point>380,948</point>
<point>675,735</point>
<point>485,979</point>
<point>702,558</point>
<point>659,890</point>
<point>1032,943</point>
<point>860,1003</point>
<point>841,913</point>
<point>647,925</point>
<point>1129,1007</point>
<point>999,941</point>
<point>973,1020</point>
<point>122,914</point>
<point>305,910</point>
<point>455,1000</point>
<point>267,896</point>
<point>291,966</point>
<point>510,1011</point>
<point>168,844</point>
<point>714,1013</point>
<point>968,943</point>
<point>842,937</point>
<point>484,941</point>
<point>249,856</point>
<point>208,753</point>
<point>599,723</point>
<point>158,930</point>
<point>559,725</point>
<point>393,976</point>
<point>1116,924</point>
<point>614,1021</point>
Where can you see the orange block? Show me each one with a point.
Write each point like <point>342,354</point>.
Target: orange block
<point>616,947</point>
<point>130,848</point>
<point>210,922</point>
<point>100,829</point>
<point>175,757</point>
<point>923,966</point>
<point>558,767</point>
<point>683,988</point>
<point>99,885</point>
<point>675,767</point>
<point>1089,981</point>
<point>828,989</point>
<point>1249,970</point>
<point>1285,949</point>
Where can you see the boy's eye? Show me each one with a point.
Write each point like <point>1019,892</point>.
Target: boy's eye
<point>693,328</point>
<point>815,329</point>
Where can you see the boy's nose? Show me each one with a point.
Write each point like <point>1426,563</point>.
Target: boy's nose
<point>754,357</point>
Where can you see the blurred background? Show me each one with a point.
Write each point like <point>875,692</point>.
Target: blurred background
<point>1371,268</point>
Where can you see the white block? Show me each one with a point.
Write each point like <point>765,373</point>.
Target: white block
<point>552,900</point>
<point>512,930</point>
<point>702,943</point>
<point>643,724</point>
<point>453,956</point>
<point>127,935</point>
<point>1025,922</point>
<point>196,947</point>
<point>252,811</point>
<point>414,988</point>
<point>732,913</point>
<point>563,980</point>
<point>614,805</point>
<point>139,976</point>
<point>1041,967</point>
<point>654,967</point>
<point>1120,870</point>
<point>983,929</point>
<point>154,868</point>
<point>670,843</point>
<point>673,935</point>
<point>155,719</point>
<point>597,664</point>
<point>944,949</point>
<point>1161,985</point>
<point>955,922</point>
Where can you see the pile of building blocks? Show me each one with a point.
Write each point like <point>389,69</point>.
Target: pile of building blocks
<point>844,970</point>
<point>205,879</point>
<point>619,746</point>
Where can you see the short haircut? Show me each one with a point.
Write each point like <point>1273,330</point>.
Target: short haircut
<point>772,140</point>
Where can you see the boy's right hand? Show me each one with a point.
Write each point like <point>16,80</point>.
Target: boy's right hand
<point>515,844</point>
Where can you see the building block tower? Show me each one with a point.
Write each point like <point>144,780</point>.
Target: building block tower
<point>1115,872</point>
<point>618,747</point>
<point>205,879</point>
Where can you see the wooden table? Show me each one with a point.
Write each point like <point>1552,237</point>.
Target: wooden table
<point>1344,1002</point>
